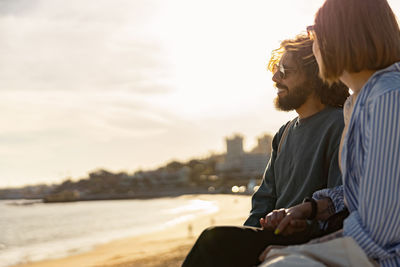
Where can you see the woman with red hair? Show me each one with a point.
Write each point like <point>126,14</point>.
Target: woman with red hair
<point>358,43</point>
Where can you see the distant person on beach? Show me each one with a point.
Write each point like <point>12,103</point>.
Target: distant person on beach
<point>304,159</point>
<point>357,42</point>
<point>304,154</point>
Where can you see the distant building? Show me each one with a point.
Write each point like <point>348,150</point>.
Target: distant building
<point>234,152</point>
<point>264,145</point>
<point>237,160</point>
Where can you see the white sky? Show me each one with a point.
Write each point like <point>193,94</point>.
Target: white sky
<point>128,84</point>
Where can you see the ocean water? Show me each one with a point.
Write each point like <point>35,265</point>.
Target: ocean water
<point>43,231</point>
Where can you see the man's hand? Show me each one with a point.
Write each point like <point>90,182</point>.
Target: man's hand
<point>272,219</point>
<point>295,218</point>
<point>288,221</point>
<point>275,218</point>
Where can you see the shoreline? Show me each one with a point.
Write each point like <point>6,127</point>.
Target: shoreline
<point>124,197</point>
<point>166,247</point>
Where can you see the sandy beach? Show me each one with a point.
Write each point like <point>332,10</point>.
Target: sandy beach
<point>163,248</point>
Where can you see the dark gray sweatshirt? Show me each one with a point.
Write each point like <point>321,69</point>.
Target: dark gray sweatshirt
<point>307,162</point>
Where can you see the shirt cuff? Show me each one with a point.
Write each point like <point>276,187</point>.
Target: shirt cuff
<point>335,194</point>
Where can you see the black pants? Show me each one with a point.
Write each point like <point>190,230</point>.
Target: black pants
<point>238,246</point>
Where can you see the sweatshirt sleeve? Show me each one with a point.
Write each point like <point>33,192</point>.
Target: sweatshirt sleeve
<point>264,199</point>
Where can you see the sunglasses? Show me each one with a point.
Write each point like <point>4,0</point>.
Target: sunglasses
<point>311,32</point>
<point>282,71</point>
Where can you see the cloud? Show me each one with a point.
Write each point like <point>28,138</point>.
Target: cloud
<point>106,115</point>
<point>80,45</point>
<point>122,83</point>
<point>16,7</point>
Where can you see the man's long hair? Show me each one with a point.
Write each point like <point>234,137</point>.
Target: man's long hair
<point>301,50</point>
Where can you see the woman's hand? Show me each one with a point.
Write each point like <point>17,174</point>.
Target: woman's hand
<point>272,219</point>
<point>287,221</point>
<point>294,219</point>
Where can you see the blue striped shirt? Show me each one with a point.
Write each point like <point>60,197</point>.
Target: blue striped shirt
<point>371,169</point>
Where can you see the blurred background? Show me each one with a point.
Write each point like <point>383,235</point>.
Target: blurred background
<point>155,101</point>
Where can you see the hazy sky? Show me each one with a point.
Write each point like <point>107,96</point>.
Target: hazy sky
<point>129,84</point>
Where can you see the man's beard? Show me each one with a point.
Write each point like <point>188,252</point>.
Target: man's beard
<point>294,98</point>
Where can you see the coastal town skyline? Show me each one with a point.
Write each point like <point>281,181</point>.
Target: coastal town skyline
<point>234,147</point>
<point>133,84</point>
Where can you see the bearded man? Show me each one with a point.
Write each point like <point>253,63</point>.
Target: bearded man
<point>304,155</point>
<point>304,159</point>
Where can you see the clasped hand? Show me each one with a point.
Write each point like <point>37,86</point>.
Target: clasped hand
<point>287,221</point>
